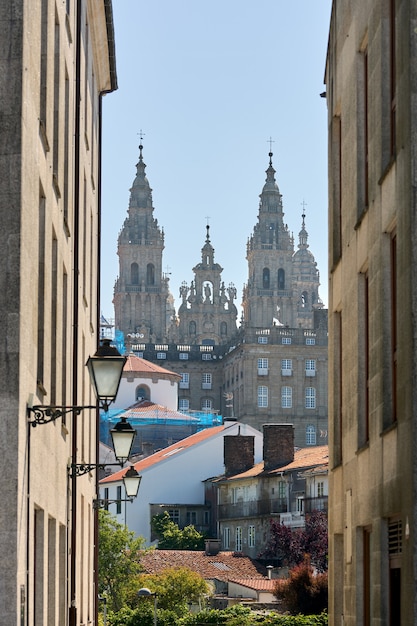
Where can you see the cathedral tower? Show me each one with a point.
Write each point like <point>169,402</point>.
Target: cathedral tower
<point>282,286</point>
<point>142,301</point>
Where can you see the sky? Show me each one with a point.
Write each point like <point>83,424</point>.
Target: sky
<point>209,84</point>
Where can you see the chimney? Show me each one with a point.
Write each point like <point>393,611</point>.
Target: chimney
<point>212,547</point>
<point>239,453</point>
<point>278,448</point>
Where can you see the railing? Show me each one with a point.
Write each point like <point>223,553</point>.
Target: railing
<point>252,508</point>
<point>319,503</point>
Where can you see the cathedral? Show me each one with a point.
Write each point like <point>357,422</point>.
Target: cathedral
<point>271,366</point>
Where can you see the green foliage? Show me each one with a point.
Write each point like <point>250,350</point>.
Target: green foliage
<point>239,615</point>
<point>175,588</point>
<point>171,537</point>
<point>304,591</point>
<point>118,561</point>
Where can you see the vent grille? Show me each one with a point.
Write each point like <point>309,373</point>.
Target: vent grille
<point>395,537</point>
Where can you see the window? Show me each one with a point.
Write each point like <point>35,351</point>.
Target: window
<point>262,339</point>
<point>142,393</point>
<point>286,367</point>
<point>310,341</point>
<point>206,357</point>
<point>265,278</point>
<point>281,279</point>
<point>183,404</point>
<point>191,518</point>
<point>262,367</point>
<point>238,546</point>
<point>226,538</point>
<point>206,381</point>
<point>286,341</point>
<point>320,489</point>
<point>185,380</point>
<point>161,355</point>
<point>310,398</point>
<point>286,397</point>
<point>223,329</point>
<point>118,498</point>
<point>310,367</point>
<point>206,404</point>
<point>311,435</point>
<point>282,490</point>
<point>134,274</point>
<point>192,329</point>
<point>262,396</point>
<point>150,274</point>
<point>183,356</point>
<point>174,515</point>
<point>251,536</point>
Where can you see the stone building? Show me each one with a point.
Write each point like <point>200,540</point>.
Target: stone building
<point>371,86</point>
<point>273,368</point>
<point>56,59</point>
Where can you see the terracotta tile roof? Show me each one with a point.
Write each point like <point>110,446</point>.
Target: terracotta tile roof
<point>304,458</point>
<point>140,366</point>
<point>259,584</point>
<point>149,410</point>
<point>165,453</point>
<point>223,566</point>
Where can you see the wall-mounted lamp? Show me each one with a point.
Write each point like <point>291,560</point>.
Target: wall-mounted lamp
<point>105,369</point>
<point>131,481</point>
<point>122,436</point>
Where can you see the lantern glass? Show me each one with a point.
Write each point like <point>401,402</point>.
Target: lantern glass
<point>123,436</point>
<point>131,482</point>
<point>106,369</point>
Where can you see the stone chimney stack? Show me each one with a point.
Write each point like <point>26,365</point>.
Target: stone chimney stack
<point>278,446</point>
<point>239,453</point>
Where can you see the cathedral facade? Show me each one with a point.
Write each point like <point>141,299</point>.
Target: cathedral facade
<point>269,368</point>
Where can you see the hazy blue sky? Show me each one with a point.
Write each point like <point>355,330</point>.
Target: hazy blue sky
<point>209,82</point>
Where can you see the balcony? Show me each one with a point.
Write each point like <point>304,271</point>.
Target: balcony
<point>252,508</point>
<point>319,503</point>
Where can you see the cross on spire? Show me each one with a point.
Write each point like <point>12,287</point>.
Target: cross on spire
<point>270,141</point>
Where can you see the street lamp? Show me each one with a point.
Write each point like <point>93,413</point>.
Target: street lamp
<point>105,369</point>
<point>145,592</point>
<point>131,481</point>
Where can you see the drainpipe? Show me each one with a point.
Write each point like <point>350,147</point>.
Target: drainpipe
<point>77,125</point>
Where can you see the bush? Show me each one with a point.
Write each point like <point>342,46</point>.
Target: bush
<point>304,591</point>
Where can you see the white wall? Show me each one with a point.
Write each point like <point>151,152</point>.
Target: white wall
<point>178,478</point>
<point>164,392</point>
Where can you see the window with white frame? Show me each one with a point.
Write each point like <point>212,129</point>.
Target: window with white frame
<point>311,435</point>
<point>310,396</point>
<point>282,490</point>
<point>185,380</point>
<point>251,536</point>
<point>286,367</point>
<point>174,515</point>
<point>286,341</point>
<point>320,489</point>
<point>226,538</point>
<point>183,404</point>
<point>286,397</point>
<point>262,339</point>
<point>183,356</point>
<point>206,356</point>
<point>191,518</point>
<point>262,396</point>
<point>161,355</point>
<point>206,404</point>
<point>310,367</point>
<point>238,543</point>
<point>262,367</point>
<point>206,380</point>
<point>310,341</point>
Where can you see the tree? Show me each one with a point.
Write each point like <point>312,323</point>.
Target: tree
<point>175,588</point>
<point>290,547</point>
<point>171,537</point>
<point>118,560</point>
<point>304,591</point>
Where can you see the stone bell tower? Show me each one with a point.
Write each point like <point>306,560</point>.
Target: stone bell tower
<point>142,301</point>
